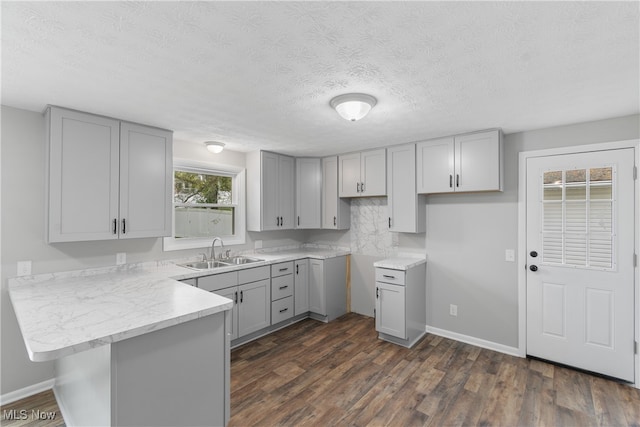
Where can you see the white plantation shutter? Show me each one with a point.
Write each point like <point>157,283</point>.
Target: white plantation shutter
<point>577,222</point>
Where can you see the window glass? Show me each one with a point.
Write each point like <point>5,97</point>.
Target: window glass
<point>203,205</point>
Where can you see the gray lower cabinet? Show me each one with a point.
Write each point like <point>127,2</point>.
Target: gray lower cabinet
<point>327,288</point>
<point>281,292</point>
<point>250,290</point>
<point>401,304</point>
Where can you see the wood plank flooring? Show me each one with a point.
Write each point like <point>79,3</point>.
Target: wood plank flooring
<point>340,374</point>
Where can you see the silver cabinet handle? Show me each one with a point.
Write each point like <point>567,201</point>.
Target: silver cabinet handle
<point>362,187</point>
<point>388,277</point>
<point>357,187</point>
<point>284,309</point>
<point>334,220</point>
<point>124,226</point>
<point>115,226</point>
<point>283,287</point>
<point>450,181</point>
<point>284,269</point>
<point>457,180</point>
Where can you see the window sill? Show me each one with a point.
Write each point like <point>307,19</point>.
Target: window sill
<point>173,244</point>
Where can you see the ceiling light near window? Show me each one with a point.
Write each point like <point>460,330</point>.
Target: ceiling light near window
<point>353,106</point>
<point>214,146</point>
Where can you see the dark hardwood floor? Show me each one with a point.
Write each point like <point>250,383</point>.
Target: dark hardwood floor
<point>340,374</point>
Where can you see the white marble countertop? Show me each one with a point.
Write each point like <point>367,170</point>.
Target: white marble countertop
<point>62,316</point>
<point>400,263</point>
<point>64,313</point>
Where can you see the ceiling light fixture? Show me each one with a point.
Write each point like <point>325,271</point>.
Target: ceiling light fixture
<point>214,146</point>
<point>353,106</point>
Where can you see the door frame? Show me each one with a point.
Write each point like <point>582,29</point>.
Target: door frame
<point>522,236</point>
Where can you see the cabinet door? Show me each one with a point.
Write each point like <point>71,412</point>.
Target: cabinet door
<point>390,310</point>
<point>286,191</point>
<point>308,193</point>
<point>336,212</point>
<point>373,173</point>
<point>269,181</point>
<point>349,175</point>
<point>478,162</point>
<point>406,209</point>
<point>254,307</point>
<point>317,294</point>
<point>146,180</point>
<point>232,294</point>
<point>83,176</point>
<point>301,287</point>
<point>435,168</point>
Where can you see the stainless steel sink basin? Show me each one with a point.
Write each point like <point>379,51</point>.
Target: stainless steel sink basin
<point>239,260</point>
<point>204,265</point>
<point>225,262</point>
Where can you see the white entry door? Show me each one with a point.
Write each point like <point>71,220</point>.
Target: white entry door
<point>580,265</point>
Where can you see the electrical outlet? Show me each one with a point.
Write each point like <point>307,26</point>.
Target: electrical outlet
<point>453,309</point>
<point>24,268</point>
<point>121,258</point>
<point>510,255</point>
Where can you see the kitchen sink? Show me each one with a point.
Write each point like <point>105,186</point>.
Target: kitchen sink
<point>205,265</point>
<point>225,262</point>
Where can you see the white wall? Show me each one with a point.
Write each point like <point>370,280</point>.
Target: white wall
<point>23,219</point>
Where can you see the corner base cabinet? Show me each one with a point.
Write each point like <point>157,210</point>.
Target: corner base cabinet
<point>327,288</point>
<point>401,304</point>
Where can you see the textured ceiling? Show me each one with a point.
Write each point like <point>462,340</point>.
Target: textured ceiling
<point>261,74</point>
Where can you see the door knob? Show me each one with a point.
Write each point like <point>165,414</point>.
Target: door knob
<point>533,267</point>
<point>533,254</point>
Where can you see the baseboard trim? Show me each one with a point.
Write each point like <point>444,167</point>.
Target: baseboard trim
<point>26,391</point>
<point>478,342</point>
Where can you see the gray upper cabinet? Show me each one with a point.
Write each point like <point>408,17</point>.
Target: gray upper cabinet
<point>336,212</point>
<point>407,210</point>
<point>270,191</point>
<point>106,179</point>
<point>363,174</point>
<point>461,163</point>
<point>308,192</point>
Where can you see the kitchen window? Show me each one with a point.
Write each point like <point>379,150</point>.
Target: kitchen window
<point>207,202</point>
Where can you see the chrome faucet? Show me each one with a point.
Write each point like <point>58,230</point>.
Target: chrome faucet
<point>213,250</point>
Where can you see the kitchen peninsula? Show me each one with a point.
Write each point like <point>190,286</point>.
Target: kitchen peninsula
<point>129,345</point>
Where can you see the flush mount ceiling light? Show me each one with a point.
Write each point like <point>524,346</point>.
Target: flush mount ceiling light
<point>214,146</point>
<point>353,106</point>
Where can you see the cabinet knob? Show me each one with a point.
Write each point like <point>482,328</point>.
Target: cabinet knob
<point>533,268</point>
<point>533,254</point>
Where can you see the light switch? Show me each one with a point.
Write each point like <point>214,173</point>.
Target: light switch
<point>510,255</point>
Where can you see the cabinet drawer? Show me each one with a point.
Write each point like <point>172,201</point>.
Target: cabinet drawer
<point>387,275</point>
<point>281,310</point>
<point>253,274</point>
<point>218,281</point>
<point>281,286</point>
<point>281,269</point>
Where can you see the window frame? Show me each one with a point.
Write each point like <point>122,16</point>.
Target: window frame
<point>238,193</point>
